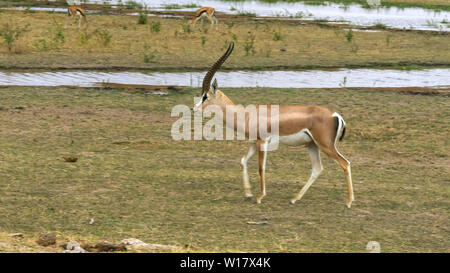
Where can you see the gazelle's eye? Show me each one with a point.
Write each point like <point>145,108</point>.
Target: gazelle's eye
<point>204,98</point>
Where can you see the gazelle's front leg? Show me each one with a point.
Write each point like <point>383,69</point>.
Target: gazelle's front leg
<point>245,158</point>
<point>262,156</point>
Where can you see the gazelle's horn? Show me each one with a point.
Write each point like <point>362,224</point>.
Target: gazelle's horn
<point>214,68</point>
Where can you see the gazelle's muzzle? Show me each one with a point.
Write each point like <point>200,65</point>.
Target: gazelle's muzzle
<point>198,105</point>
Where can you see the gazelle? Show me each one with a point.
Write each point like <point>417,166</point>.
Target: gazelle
<point>316,127</point>
<point>75,10</point>
<point>205,11</point>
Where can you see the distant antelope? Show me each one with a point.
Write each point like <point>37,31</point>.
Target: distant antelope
<point>316,127</point>
<point>205,11</point>
<point>75,10</point>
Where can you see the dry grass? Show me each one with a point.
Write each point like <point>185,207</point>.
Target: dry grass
<point>135,181</point>
<point>135,46</point>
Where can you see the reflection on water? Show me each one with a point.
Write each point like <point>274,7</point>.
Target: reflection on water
<point>275,79</point>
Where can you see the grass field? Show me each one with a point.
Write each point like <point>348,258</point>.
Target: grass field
<point>135,181</point>
<point>119,42</point>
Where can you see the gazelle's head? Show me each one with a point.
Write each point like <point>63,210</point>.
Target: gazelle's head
<point>210,92</point>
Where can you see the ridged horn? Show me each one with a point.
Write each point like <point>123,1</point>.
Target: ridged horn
<point>214,68</point>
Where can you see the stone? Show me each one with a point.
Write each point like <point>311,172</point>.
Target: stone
<point>134,244</point>
<point>46,239</point>
<point>104,246</point>
<point>74,247</point>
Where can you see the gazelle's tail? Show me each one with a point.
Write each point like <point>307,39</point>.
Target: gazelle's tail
<point>340,131</point>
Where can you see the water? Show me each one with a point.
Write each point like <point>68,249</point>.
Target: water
<point>276,79</point>
<point>408,18</point>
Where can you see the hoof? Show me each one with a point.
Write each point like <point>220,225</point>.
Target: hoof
<point>349,204</point>
<point>248,195</point>
<point>292,201</point>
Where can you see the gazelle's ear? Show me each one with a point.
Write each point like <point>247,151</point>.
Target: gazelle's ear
<point>214,87</point>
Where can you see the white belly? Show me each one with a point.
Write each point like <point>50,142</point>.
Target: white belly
<point>300,138</point>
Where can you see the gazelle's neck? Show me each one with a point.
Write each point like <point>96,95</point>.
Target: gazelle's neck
<point>226,104</point>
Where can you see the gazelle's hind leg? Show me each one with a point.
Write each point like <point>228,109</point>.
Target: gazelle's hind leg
<point>215,21</point>
<point>262,156</point>
<point>195,22</point>
<point>80,17</point>
<point>245,158</point>
<point>345,164</point>
<point>316,163</point>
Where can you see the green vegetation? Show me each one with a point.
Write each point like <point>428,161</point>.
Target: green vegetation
<point>135,181</point>
<point>10,34</point>
<point>246,13</point>
<point>177,6</point>
<point>249,45</point>
<point>104,35</point>
<point>155,27</point>
<point>142,19</point>
<point>104,44</point>
<point>349,35</point>
<point>149,54</point>
<point>133,5</point>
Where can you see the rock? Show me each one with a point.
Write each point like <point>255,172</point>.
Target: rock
<point>134,244</point>
<point>258,223</point>
<point>70,159</point>
<point>158,247</point>
<point>104,246</point>
<point>46,239</point>
<point>16,235</point>
<point>74,247</point>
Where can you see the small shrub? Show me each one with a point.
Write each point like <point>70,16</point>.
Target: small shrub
<point>149,54</point>
<point>246,13</point>
<point>177,6</point>
<point>133,5</point>
<point>299,14</point>
<point>349,35</point>
<point>41,45</point>
<point>11,34</point>
<point>203,40</point>
<point>142,19</point>
<point>277,36</point>
<point>104,36</point>
<point>85,37</point>
<point>57,38</point>
<point>155,27</point>
<point>380,25</point>
<point>187,28</point>
<point>249,45</point>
